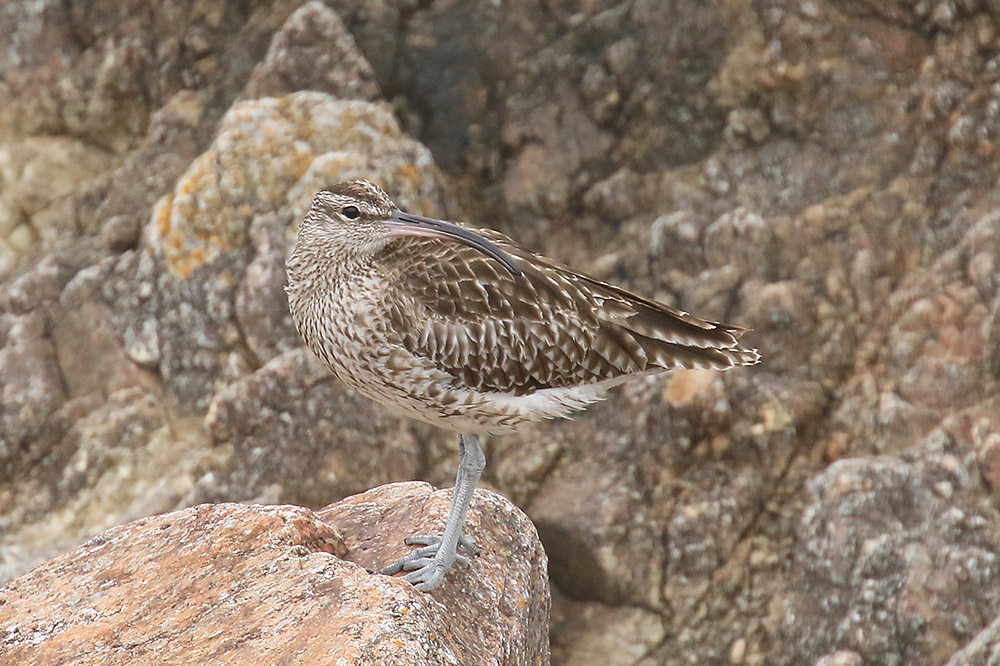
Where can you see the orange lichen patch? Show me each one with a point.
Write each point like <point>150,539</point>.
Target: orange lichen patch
<point>175,242</point>
<point>186,251</point>
<point>183,266</point>
<point>180,268</point>
<point>161,214</point>
<point>411,173</point>
<point>183,256</point>
<point>197,256</point>
<point>191,182</point>
<point>454,646</point>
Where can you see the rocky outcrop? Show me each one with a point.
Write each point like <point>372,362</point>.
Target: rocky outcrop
<point>270,584</point>
<point>820,172</point>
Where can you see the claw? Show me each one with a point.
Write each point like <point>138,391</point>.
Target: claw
<point>391,569</point>
<point>427,577</point>
<point>427,565</point>
<point>469,545</point>
<point>413,565</point>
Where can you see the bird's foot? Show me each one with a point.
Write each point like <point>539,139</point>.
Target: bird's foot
<point>428,565</point>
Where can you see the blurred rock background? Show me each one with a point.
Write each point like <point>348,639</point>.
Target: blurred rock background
<point>824,172</point>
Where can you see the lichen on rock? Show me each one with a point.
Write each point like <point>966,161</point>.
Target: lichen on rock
<point>271,155</point>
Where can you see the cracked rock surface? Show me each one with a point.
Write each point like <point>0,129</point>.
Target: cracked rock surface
<point>822,173</point>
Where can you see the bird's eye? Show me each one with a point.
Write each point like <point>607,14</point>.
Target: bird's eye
<point>350,212</point>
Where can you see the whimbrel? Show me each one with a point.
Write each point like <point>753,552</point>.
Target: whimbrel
<point>471,332</point>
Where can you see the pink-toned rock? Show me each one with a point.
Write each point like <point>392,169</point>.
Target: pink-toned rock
<point>231,583</point>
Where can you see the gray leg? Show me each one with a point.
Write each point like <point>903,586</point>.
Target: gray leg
<point>428,565</point>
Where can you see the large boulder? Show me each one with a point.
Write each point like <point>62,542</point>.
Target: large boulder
<point>272,584</point>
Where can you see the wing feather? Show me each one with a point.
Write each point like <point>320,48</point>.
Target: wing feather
<point>549,328</point>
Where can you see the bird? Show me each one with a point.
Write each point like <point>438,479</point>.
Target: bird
<point>469,331</point>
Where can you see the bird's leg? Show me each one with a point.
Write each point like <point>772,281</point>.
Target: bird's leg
<point>428,565</point>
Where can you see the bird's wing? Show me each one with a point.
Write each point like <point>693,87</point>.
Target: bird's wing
<point>548,328</point>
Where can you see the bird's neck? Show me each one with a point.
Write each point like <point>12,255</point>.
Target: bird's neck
<point>314,271</point>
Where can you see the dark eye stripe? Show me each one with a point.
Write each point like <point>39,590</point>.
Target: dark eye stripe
<point>351,212</point>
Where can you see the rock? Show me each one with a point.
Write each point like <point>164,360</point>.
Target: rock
<point>219,310</point>
<point>95,71</point>
<point>263,584</point>
<point>738,237</point>
<point>508,578</point>
<point>618,197</point>
<point>311,139</point>
<point>261,305</point>
<point>822,173</point>
<point>894,557</point>
<point>981,650</point>
<point>989,461</point>
<point>313,51</point>
<point>840,658</point>
<point>97,463</point>
<point>33,386</point>
<point>38,175</point>
<point>123,201</point>
<point>626,633</point>
<point>332,441</point>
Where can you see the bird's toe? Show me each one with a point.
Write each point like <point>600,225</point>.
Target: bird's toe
<point>427,565</point>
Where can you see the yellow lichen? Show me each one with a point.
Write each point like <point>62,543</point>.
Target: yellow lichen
<point>161,214</point>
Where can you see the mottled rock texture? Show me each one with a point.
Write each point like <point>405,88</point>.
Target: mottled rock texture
<point>823,172</point>
<point>280,584</point>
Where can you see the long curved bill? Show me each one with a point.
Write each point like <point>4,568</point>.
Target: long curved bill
<point>405,224</point>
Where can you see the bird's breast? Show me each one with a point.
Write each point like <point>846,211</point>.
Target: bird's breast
<point>338,321</point>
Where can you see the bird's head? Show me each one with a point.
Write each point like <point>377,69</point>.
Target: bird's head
<point>355,219</point>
